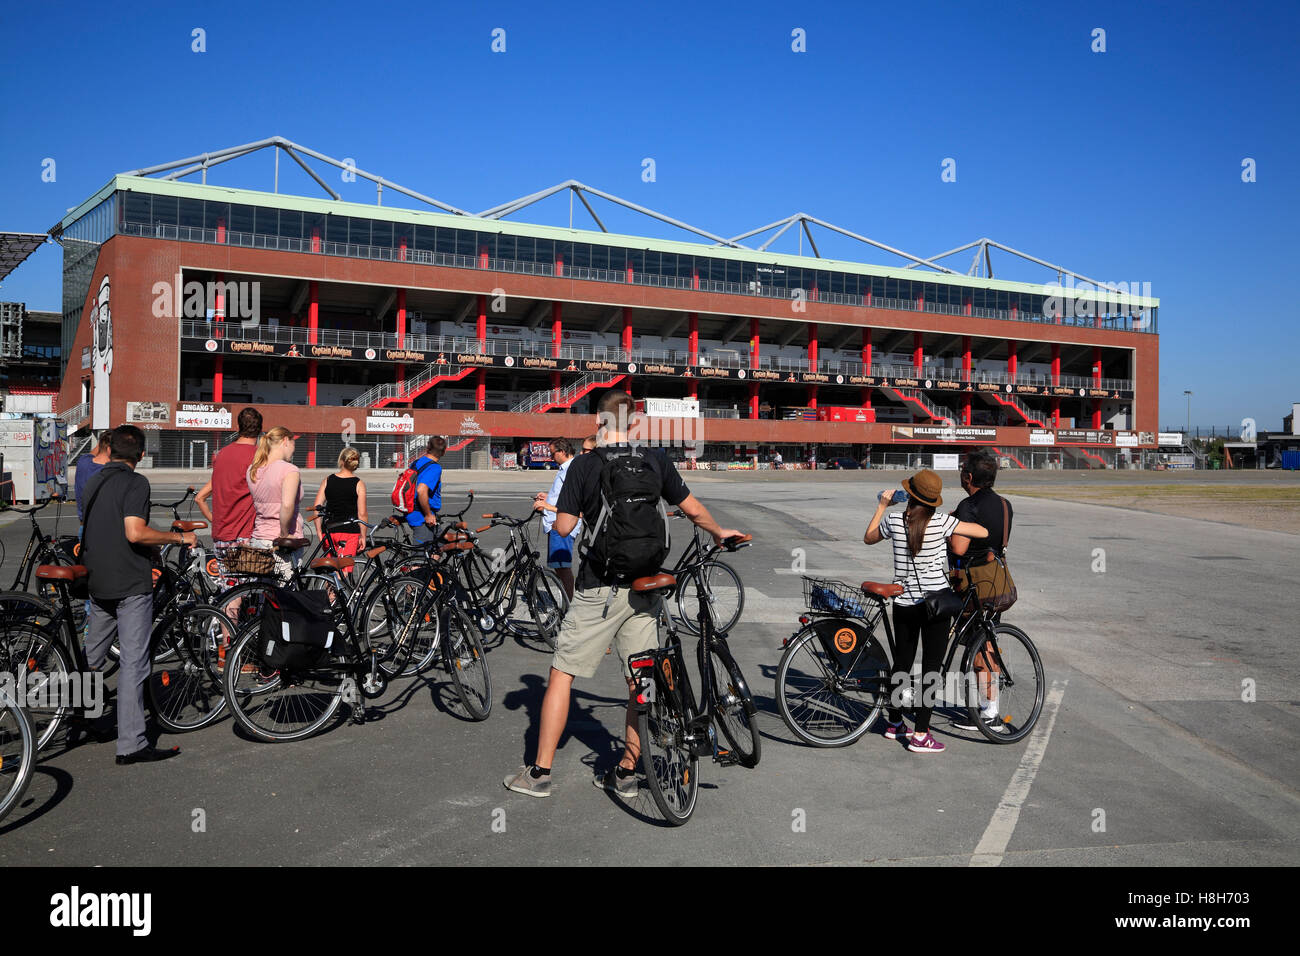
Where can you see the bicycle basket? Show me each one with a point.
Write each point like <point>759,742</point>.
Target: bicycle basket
<point>243,559</point>
<point>824,596</point>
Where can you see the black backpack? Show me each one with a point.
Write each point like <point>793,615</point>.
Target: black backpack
<point>629,539</point>
<point>296,632</point>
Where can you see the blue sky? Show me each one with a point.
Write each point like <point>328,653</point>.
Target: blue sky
<point>1124,165</point>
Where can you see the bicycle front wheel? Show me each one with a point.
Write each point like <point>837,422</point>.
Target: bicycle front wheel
<point>34,660</point>
<point>271,706</point>
<point>17,755</point>
<point>548,603</point>
<point>733,707</point>
<point>722,591</point>
<point>465,660</point>
<point>822,705</point>
<point>667,759</point>
<point>1003,672</point>
<point>185,689</point>
<point>404,646</point>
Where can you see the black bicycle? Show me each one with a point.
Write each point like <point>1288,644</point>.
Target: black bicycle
<point>835,675</point>
<point>676,729</point>
<point>516,576</point>
<point>716,582</point>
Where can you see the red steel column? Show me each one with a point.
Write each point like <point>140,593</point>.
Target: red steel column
<point>401,249</point>
<point>401,336</point>
<point>966,364</point>
<point>1011,359</point>
<point>918,353</point>
<point>693,346</point>
<point>483,257</point>
<point>559,264</point>
<point>313,323</point>
<point>221,230</point>
<point>315,239</point>
<point>754,344</point>
<point>812,361</point>
<point>480,330</point>
<point>1056,380</point>
<point>218,319</point>
<point>557,336</point>
<point>866,363</point>
<point>1096,381</point>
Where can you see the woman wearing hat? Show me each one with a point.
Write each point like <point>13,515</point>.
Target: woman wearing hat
<point>919,537</point>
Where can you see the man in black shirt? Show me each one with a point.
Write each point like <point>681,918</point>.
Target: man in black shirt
<point>985,507</point>
<point>116,549</point>
<point>603,611</point>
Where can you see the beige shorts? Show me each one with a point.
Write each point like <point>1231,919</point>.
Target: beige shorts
<point>629,624</point>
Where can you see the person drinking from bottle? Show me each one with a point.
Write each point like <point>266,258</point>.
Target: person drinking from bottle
<point>918,536</point>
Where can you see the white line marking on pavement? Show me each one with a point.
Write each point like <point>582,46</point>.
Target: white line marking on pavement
<point>997,834</point>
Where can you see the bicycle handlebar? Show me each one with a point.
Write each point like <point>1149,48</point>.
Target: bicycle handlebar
<point>176,504</point>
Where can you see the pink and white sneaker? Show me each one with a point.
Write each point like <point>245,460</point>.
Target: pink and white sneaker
<point>924,744</point>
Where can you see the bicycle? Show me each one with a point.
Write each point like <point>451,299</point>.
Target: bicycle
<point>674,728</point>
<point>19,602</point>
<point>718,582</point>
<point>50,661</point>
<point>277,706</point>
<point>835,674</point>
<point>498,584</point>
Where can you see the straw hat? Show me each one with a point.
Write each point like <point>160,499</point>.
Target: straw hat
<point>925,486</point>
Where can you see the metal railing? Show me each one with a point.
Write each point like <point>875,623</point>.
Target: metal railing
<point>77,414</point>
<point>1133,323</point>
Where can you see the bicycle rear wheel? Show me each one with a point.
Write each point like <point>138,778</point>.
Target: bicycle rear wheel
<point>734,710</point>
<point>723,592</point>
<point>465,660</point>
<point>668,761</point>
<point>1004,668</point>
<point>820,704</point>
<point>272,706</point>
<point>17,755</point>
<point>34,659</point>
<point>185,688</point>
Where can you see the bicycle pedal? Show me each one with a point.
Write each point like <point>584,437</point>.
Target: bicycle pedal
<point>725,758</point>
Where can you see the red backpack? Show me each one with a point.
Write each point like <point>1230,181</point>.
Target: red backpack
<point>404,491</point>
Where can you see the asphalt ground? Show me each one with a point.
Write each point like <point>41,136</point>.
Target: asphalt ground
<point>1147,753</point>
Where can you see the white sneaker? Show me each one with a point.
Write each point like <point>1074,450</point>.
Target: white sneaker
<point>988,715</point>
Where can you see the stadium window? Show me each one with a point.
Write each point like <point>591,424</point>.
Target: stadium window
<point>504,247</point>
<point>359,231</point>
<point>290,224</point>
<point>266,222</point>
<point>545,251</point>
<point>191,213</point>
<point>467,242</point>
<point>636,259</point>
<point>166,209</point>
<point>436,239</point>
<point>241,219</point>
<point>336,229</point>
<point>717,270</point>
<point>136,207</point>
<point>564,250</point>
<point>581,255</point>
<point>382,234</point>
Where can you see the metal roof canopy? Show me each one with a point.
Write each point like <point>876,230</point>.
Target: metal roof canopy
<point>181,168</point>
<point>15,247</point>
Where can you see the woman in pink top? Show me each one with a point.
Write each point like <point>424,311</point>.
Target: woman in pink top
<point>276,487</point>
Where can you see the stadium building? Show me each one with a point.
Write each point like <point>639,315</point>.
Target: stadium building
<point>372,325</point>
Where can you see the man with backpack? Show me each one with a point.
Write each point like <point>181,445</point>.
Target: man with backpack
<point>985,507</point>
<point>619,490</point>
<point>418,491</point>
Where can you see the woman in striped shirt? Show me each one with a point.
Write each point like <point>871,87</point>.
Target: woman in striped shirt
<point>919,537</point>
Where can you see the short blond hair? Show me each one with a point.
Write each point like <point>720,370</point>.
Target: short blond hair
<point>349,459</point>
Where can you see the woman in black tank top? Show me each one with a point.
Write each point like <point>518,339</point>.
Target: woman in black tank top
<point>345,496</point>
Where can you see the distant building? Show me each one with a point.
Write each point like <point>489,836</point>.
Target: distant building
<point>30,357</point>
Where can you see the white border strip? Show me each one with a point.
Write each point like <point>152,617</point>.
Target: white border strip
<point>997,834</point>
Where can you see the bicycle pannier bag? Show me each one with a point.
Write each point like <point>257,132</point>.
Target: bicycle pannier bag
<point>296,631</point>
<point>630,538</point>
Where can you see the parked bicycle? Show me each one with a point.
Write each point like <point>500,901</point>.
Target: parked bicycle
<point>517,576</point>
<point>676,729</point>
<point>718,583</point>
<point>835,675</point>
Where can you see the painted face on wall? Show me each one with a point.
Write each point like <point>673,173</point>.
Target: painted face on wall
<point>101,347</point>
<point>103,329</point>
